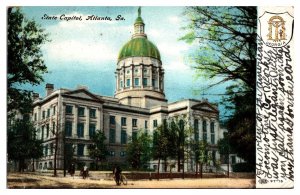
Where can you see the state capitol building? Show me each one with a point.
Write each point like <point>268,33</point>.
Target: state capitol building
<point>139,103</point>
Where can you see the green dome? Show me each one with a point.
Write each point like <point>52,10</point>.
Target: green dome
<point>139,20</point>
<point>139,47</point>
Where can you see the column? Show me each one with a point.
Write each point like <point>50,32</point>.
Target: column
<point>142,75</point>
<point>151,76</point>
<point>75,122</point>
<point>98,116</point>
<point>87,124</point>
<point>162,81</point>
<point>200,124</point>
<point>208,130</point>
<point>117,80</point>
<point>132,76</point>
<point>216,131</point>
<point>158,78</point>
<point>124,83</point>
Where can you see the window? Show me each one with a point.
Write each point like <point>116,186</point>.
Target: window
<point>51,149</point>
<point>212,127</point>
<point>123,136</point>
<point>134,135</point>
<point>136,70</point>
<point>42,136</point>
<point>48,112</point>
<point>53,128</point>
<point>80,149</point>
<point>123,121</point>
<point>146,124</point>
<point>128,71</point>
<point>155,123</point>
<point>35,116</point>
<point>48,129</point>
<point>46,150</point>
<point>68,130</point>
<point>128,83</point>
<point>145,81</point>
<point>204,130</point>
<point>69,109</point>
<point>145,71</point>
<point>80,111</point>
<point>122,153</point>
<point>196,129</point>
<point>112,136</point>
<point>212,138</point>
<point>44,114</point>
<point>92,130</point>
<point>112,153</point>
<point>121,84</point>
<point>54,110</point>
<point>112,120</point>
<point>136,81</point>
<point>212,131</point>
<point>92,113</point>
<point>80,129</point>
<point>134,122</point>
<point>153,82</point>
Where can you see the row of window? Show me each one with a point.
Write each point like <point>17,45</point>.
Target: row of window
<point>46,113</point>
<point>204,127</point>
<point>80,129</point>
<point>81,111</point>
<point>112,153</point>
<point>48,130</point>
<point>137,82</point>
<point>112,121</point>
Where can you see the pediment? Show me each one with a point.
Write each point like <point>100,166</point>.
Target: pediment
<point>82,94</point>
<point>206,107</point>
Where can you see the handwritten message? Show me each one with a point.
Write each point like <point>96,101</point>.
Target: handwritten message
<point>274,115</point>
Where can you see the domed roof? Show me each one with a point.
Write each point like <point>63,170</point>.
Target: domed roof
<point>139,47</point>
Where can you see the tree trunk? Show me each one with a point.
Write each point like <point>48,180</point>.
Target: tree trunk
<point>183,168</point>
<point>201,170</point>
<point>158,168</point>
<point>33,165</point>
<point>21,165</point>
<point>178,162</point>
<point>55,154</point>
<point>228,167</point>
<point>196,169</point>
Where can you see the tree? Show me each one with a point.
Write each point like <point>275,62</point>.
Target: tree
<point>201,155</point>
<point>24,59</point>
<point>225,149</point>
<point>98,150</point>
<point>226,40</point>
<point>22,143</point>
<point>161,143</point>
<point>139,150</point>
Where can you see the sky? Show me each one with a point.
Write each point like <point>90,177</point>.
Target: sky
<point>85,52</point>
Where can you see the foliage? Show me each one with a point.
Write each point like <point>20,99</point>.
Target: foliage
<point>139,150</point>
<point>24,58</point>
<point>98,150</point>
<point>22,142</point>
<point>243,167</point>
<point>226,41</point>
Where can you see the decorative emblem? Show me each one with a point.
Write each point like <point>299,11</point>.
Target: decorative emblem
<point>276,29</point>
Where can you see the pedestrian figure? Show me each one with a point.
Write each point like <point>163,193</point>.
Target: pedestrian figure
<point>85,171</point>
<point>117,174</point>
<point>72,170</point>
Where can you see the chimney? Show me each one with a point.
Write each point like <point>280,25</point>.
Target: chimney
<point>49,88</point>
<point>35,96</point>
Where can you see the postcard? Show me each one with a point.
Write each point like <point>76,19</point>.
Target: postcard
<point>150,97</point>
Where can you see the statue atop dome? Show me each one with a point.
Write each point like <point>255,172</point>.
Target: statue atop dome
<point>139,11</point>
